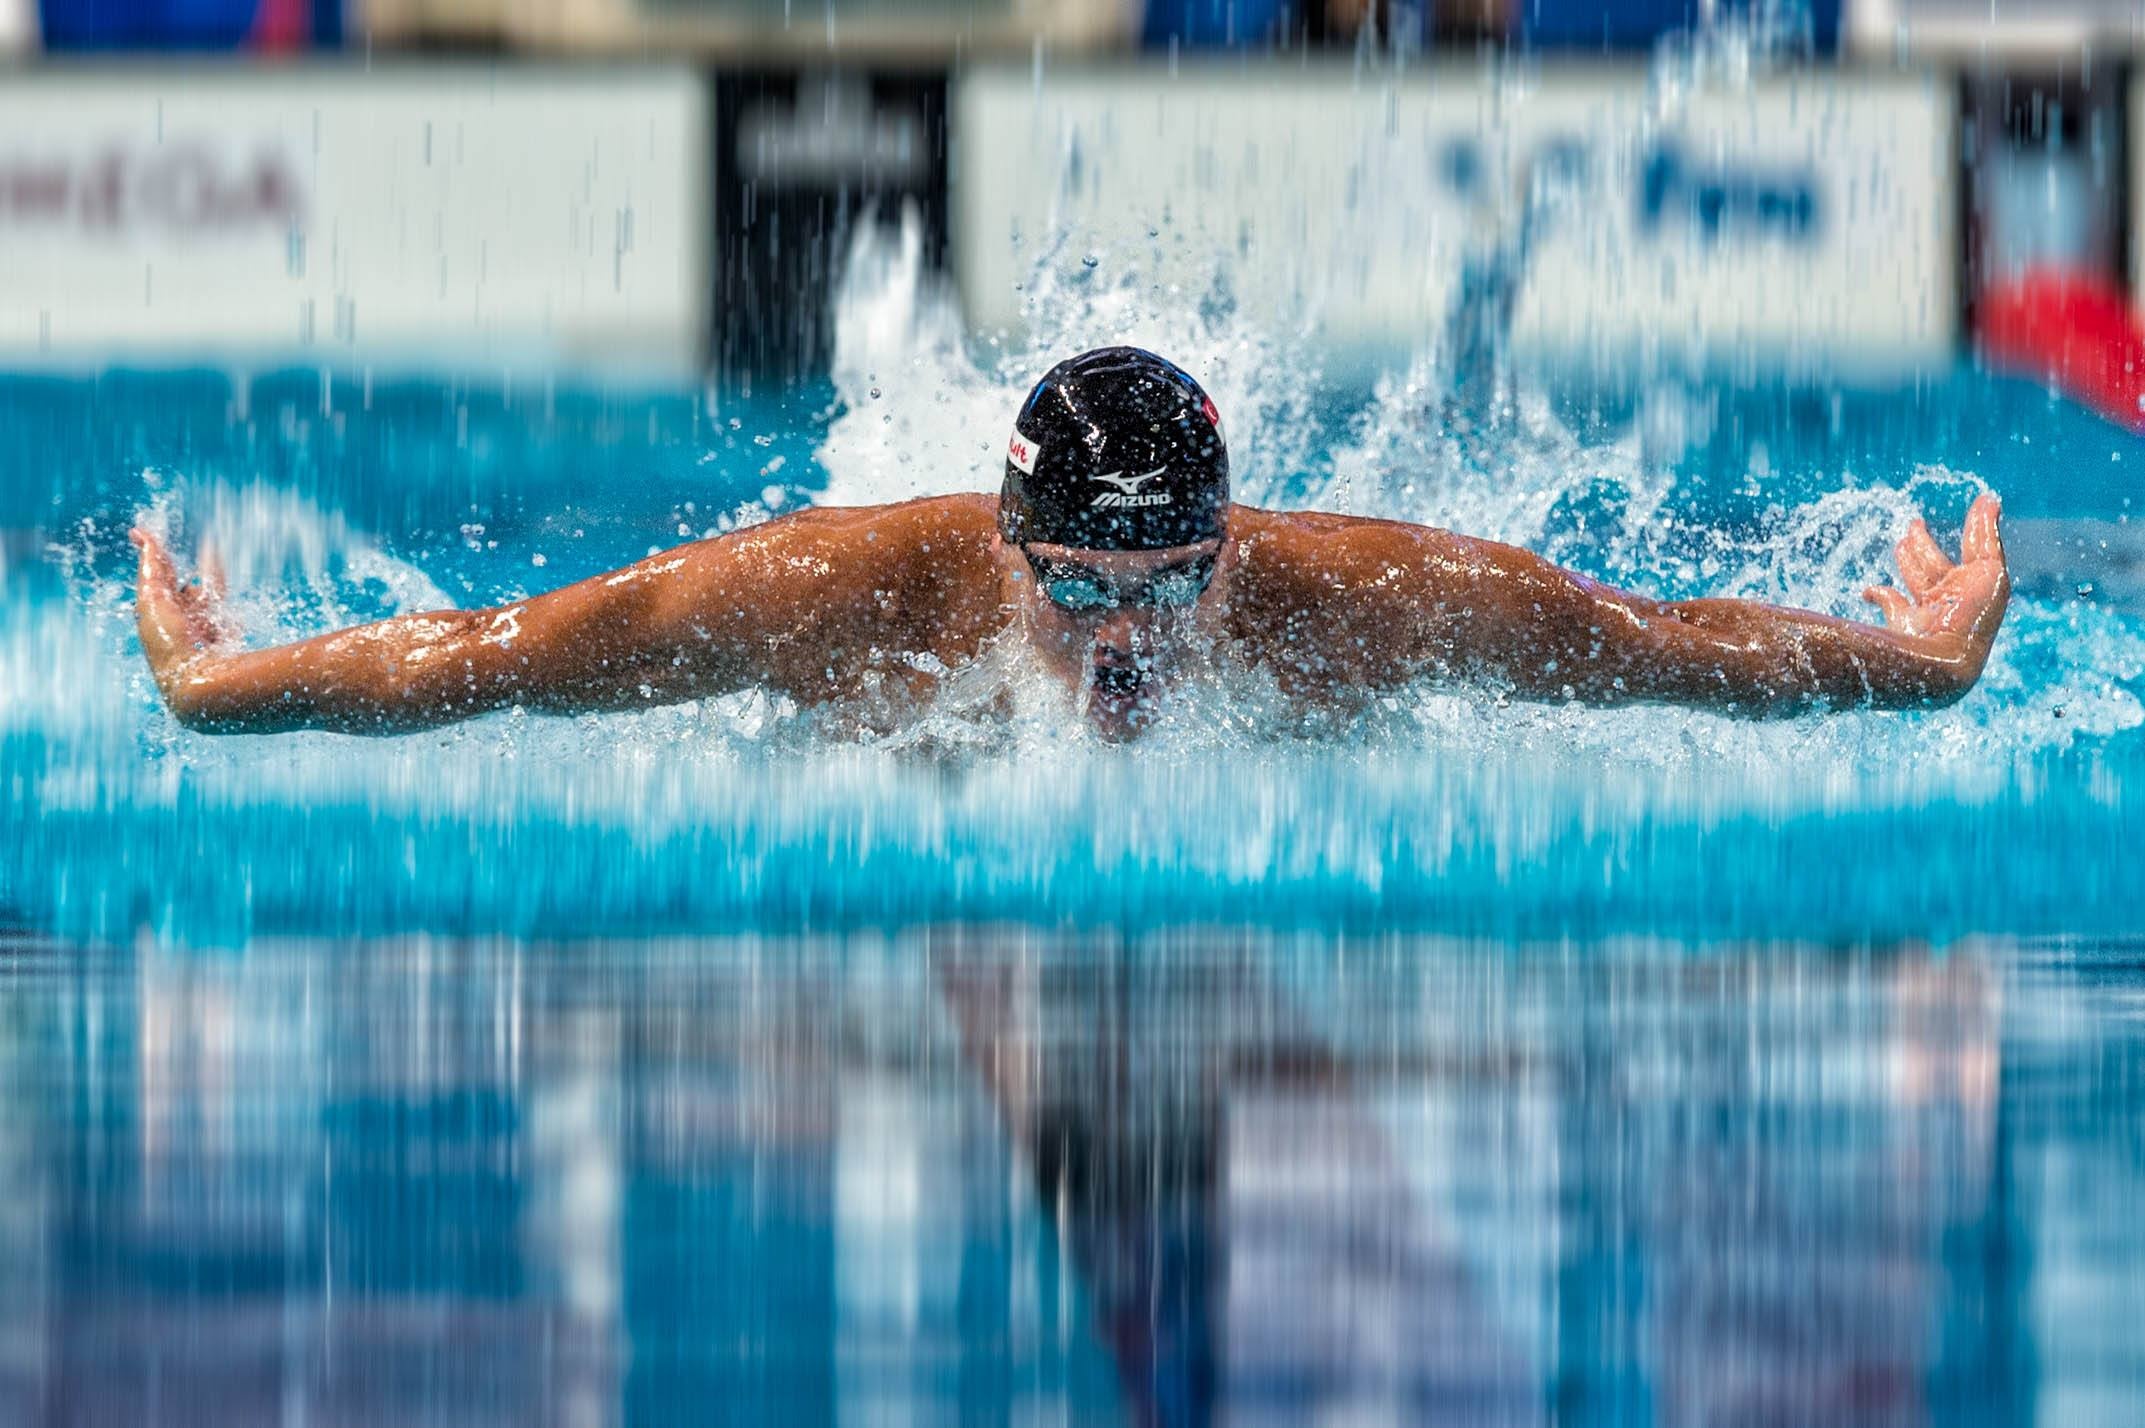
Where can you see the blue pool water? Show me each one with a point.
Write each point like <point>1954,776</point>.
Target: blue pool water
<point>993,1175</point>
<point>1451,812</point>
<point>1477,1060</point>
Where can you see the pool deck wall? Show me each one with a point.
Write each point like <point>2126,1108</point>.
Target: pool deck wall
<point>666,219</point>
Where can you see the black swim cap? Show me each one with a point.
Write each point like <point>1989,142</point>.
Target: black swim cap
<point>1115,449</point>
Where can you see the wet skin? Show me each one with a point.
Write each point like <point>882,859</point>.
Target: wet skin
<point>1120,658</point>
<point>861,608</point>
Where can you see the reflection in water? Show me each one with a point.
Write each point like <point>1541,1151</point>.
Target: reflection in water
<point>1237,1210</point>
<point>1000,1176</point>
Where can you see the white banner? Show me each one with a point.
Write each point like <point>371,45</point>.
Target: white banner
<point>2052,34</point>
<point>2137,195</point>
<point>1807,223</point>
<point>432,216</point>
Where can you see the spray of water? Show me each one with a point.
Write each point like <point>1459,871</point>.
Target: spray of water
<point>923,408</point>
<point>1429,797</point>
<point>910,381</point>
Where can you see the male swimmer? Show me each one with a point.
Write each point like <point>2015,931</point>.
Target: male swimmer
<point>1114,551</point>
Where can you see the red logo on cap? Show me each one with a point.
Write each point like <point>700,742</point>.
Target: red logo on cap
<point>1206,405</point>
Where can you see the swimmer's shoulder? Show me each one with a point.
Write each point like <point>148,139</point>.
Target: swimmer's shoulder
<point>926,557</point>
<point>963,518</point>
<point>937,537</point>
<point>944,564</point>
<point>917,574</point>
<point>936,551</point>
<point>1292,554</point>
<point>1338,602</point>
<point>942,531</point>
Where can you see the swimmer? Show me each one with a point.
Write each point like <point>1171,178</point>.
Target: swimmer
<point>1114,551</point>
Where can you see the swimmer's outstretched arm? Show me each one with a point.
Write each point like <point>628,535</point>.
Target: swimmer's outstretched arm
<point>1483,608</point>
<point>773,605</point>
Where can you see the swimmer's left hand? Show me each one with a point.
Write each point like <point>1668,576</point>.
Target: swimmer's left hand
<point>1944,601</point>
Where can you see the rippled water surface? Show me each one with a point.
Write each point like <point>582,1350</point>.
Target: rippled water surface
<point>972,1174</point>
<point>1449,810</point>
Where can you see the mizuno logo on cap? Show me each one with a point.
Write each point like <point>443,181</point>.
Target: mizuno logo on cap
<point>1128,490</point>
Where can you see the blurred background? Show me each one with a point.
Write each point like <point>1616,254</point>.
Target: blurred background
<point>771,126</point>
<point>1481,1064</point>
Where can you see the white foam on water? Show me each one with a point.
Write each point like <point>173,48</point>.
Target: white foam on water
<point>2061,672</point>
<point>1437,789</point>
<point>1231,788</point>
<point>926,410</point>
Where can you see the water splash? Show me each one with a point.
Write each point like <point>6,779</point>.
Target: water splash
<point>911,387</point>
<point>1609,507</point>
<point>1729,50</point>
<point>1452,808</point>
<point>925,410</point>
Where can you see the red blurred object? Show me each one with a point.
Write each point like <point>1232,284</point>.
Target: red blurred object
<point>2076,330</point>
<point>281,27</point>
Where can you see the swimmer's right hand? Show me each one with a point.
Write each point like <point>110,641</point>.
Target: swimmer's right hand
<point>179,623</point>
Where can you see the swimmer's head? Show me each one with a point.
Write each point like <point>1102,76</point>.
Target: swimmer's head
<point>1115,449</point>
<point>1115,508</point>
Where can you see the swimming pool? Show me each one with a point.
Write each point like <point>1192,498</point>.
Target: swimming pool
<point>1450,812</point>
<point>1519,1063</point>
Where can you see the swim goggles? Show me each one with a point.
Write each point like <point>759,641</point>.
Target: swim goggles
<point>1082,588</point>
